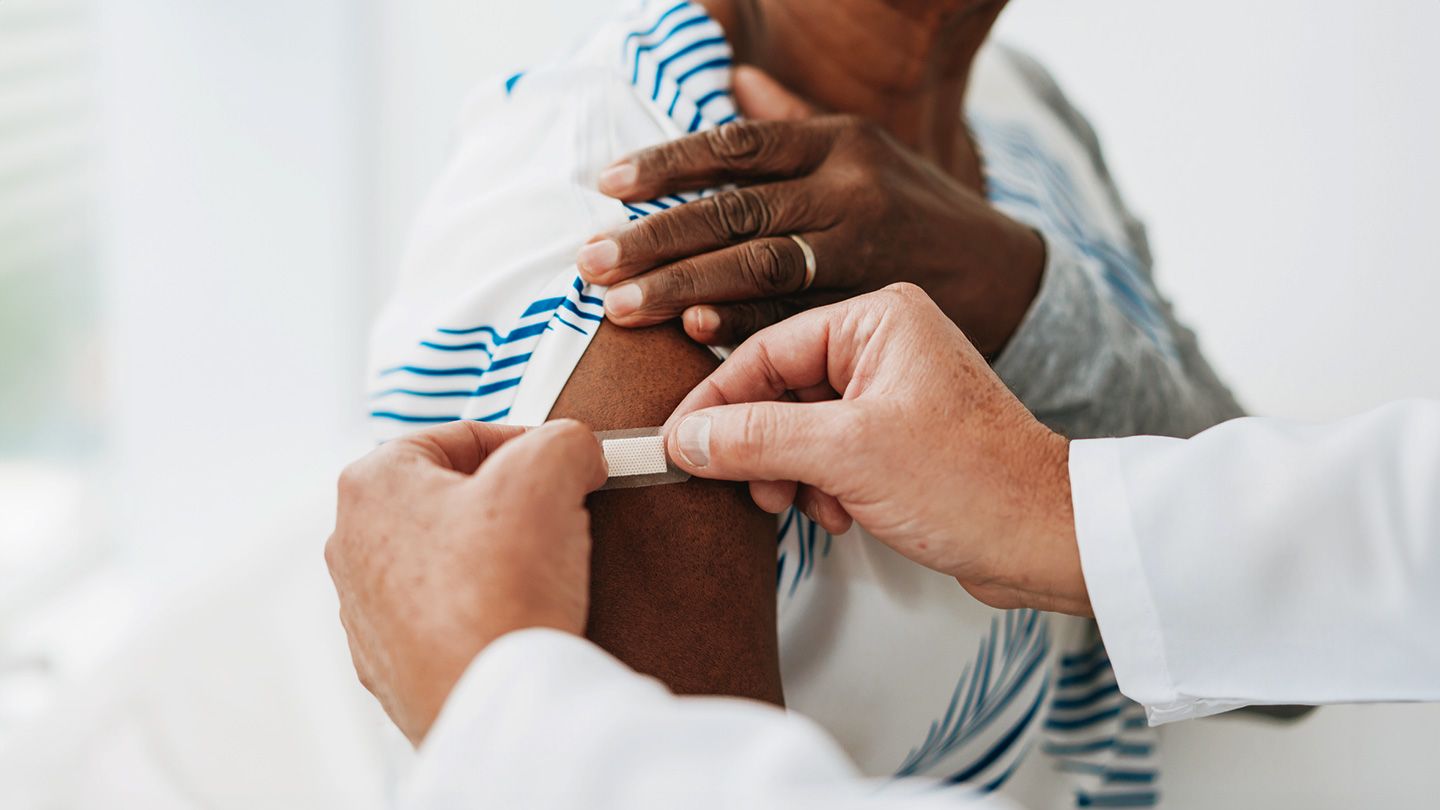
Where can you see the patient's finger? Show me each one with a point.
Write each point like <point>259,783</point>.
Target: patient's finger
<point>762,98</point>
<point>732,324</point>
<point>744,150</point>
<point>763,269</point>
<point>728,218</point>
<point>459,446</point>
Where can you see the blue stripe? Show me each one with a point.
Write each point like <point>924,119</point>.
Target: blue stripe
<point>586,299</point>
<point>1147,798</point>
<point>1004,743</point>
<point>1122,748</point>
<point>1130,777</point>
<point>494,417</point>
<point>463,347</point>
<point>711,65</point>
<point>641,211</point>
<point>685,51</point>
<point>1086,657</point>
<point>1085,700</point>
<point>543,305</point>
<point>727,119</point>
<point>665,40</point>
<point>405,417</point>
<point>659,22</point>
<point>1062,724</point>
<point>571,325</point>
<point>1080,748</point>
<point>510,82</point>
<point>709,97</point>
<point>695,122</point>
<point>525,332</point>
<point>469,371</point>
<point>490,388</point>
<point>507,362</point>
<point>995,784</point>
<point>1096,669</point>
<point>670,111</point>
<point>409,393</point>
<point>589,316</point>
<point>471,331</point>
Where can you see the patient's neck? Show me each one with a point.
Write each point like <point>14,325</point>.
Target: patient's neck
<point>904,64</point>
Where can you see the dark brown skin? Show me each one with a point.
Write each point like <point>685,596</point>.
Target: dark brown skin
<point>856,143</point>
<point>682,576</point>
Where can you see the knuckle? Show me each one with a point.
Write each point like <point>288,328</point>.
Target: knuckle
<point>332,552</point>
<point>352,481</point>
<point>766,267</point>
<point>756,429</point>
<point>645,234</point>
<point>661,162</point>
<point>737,144</point>
<point>738,215</point>
<point>908,292</point>
<point>680,284</point>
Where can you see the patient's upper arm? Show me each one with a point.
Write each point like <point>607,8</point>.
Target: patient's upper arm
<point>683,576</point>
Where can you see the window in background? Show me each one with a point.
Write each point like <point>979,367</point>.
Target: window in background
<point>49,315</point>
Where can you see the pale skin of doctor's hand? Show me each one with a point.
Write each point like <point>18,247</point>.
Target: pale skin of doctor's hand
<point>449,538</point>
<point>887,415</point>
<point>873,211</point>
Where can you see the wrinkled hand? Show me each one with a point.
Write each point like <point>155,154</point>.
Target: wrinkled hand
<point>902,426</point>
<point>452,537</point>
<point>873,212</point>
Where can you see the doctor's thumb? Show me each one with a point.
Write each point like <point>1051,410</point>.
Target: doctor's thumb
<point>763,441</point>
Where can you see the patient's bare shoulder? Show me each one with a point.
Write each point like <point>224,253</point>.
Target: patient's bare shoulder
<point>683,575</point>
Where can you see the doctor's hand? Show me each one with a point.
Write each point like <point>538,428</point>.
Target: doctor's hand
<point>871,211</point>
<point>883,412</point>
<point>449,538</point>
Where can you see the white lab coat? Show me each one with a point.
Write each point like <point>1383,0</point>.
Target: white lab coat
<point>1260,562</point>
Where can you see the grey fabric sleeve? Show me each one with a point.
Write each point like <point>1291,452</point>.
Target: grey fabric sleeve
<point>1077,361</point>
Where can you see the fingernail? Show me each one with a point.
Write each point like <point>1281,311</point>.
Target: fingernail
<point>597,257</point>
<point>705,319</point>
<point>624,299</point>
<point>693,436</point>
<point>618,178</point>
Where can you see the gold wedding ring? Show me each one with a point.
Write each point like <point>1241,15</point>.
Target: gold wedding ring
<point>809,261</point>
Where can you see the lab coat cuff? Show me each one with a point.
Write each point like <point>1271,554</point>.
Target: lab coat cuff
<point>1115,578</point>
<point>521,681</point>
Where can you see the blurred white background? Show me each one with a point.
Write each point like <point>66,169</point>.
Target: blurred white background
<point>200,204</point>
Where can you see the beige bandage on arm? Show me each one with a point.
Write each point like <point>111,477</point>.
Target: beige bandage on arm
<point>636,458</point>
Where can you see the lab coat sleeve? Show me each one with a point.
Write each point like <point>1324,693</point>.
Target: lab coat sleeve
<point>543,719</point>
<point>1267,562</point>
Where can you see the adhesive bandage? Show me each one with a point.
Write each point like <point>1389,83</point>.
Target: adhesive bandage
<point>636,458</point>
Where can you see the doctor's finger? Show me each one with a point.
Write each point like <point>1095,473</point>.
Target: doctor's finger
<point>459,446</point>
<point>559,462</point>
<point>766,441</point>
<point>744,150</point>
<point>728,218</point>
<point>814,349</point>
